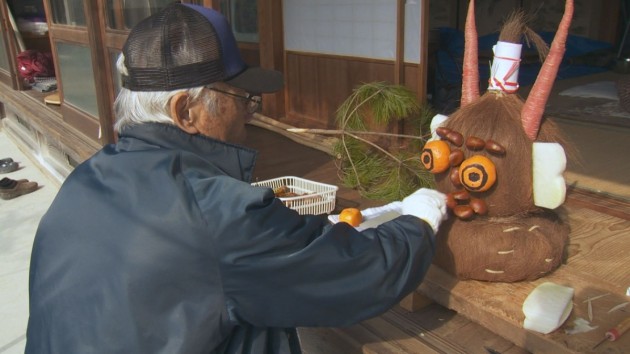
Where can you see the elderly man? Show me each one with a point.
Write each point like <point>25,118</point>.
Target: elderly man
<point>159,244</point>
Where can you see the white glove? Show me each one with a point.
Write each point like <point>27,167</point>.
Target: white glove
<point>427,204</point>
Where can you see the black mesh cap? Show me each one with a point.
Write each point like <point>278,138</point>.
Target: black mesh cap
<point>185,46</point>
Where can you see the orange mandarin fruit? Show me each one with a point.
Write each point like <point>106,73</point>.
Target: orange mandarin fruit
<point>351,216</point>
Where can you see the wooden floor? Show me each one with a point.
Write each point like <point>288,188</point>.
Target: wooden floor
<point>436,328</point>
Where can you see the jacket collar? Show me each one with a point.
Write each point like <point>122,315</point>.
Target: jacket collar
<point>235,160</point>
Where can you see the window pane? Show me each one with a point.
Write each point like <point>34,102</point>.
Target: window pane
<point>77,77</point>
<point>68,12</point>
<point>344,27</point>
<point>4,60</point>
<point>124,14</point>
<point>243,16</point>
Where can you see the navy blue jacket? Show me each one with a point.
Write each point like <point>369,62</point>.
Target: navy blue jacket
<point>159,244</point>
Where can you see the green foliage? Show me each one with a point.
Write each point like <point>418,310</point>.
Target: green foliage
<point>386,102</point>
<point>378,172</point>
<point>376,176</point>
<point>419,125</point>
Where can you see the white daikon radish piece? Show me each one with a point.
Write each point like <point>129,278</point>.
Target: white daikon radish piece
<point>547,307</point>
<point>549,163</point>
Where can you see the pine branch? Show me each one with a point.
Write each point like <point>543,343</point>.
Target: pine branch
<point>355,132</point>
<point>374,170</point>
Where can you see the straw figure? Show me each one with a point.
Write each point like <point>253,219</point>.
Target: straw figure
<point>500,164</point>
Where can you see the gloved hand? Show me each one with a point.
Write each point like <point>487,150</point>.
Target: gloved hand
<point>427,204</point>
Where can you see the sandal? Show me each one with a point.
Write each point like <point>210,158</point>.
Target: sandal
<point>8,165</point>
<point>10,188</point>
<point>7,183</point>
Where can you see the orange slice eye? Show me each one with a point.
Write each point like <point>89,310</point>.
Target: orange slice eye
<point>477,173</point>
<point>435,156</point>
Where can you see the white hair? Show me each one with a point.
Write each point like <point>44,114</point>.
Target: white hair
<point>138,107</point>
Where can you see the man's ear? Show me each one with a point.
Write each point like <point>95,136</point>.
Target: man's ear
<point>180,113</point>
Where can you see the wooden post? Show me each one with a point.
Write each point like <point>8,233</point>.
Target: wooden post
<point>423,66</point>
<point>399,61</point>
<point>271,48</point>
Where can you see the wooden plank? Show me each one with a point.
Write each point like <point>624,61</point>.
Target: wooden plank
<point>597,264</point>
<point>435,329</point>
<point>317,84</point>
<point>598,246</point>
<point>453,332</point>
<point>415,301</point>
<point>368,341</point>
<point>617,207</point>
<point>431,340</point>
<point>393,335</point>
<point>318,340</point>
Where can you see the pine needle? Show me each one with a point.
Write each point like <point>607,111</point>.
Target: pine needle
<point>379,172</point>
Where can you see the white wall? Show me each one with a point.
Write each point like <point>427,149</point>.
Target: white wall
<point>361,28</point>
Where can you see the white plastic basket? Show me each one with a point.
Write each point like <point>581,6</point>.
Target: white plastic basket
<point>313,197</point>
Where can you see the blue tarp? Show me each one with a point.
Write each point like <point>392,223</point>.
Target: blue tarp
<point>448,73</point>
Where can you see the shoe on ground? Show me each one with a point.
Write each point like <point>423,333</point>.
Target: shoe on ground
<point>6,182</point>
<point>8,165</point>
<point>10,188</point>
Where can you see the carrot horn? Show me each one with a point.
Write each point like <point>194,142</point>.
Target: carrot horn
<point>470,71</point>
<point>532,112</point>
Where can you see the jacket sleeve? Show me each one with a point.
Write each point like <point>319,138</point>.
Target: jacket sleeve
<point>281,269</point>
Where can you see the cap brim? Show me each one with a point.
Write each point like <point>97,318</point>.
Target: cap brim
<point>258,80</point>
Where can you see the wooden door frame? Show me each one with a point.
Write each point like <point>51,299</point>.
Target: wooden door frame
<point>271,51</point>
<point>13,79</point>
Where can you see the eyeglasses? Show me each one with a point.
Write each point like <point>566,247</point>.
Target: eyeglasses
<point>252,102</point>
